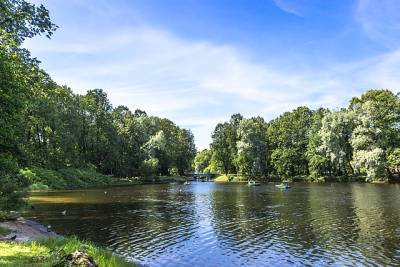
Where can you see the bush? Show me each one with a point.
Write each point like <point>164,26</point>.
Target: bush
<point>84,177</point>
<point>38,186</point>
<point>149,167</point>
<point>47,177</point>
<point>43,179</point>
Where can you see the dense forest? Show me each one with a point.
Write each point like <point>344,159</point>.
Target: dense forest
<point>50,135</point>
<point>362,140</point>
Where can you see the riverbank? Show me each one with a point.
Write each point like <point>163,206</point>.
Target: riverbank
<point>231,178</point>
<point>72,178</point>
<point>28,243</point>
<point>235,178</point>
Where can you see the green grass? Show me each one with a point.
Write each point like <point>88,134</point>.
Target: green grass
<point>68,178</point>
<point>231,178</point>
<point>48,252</point>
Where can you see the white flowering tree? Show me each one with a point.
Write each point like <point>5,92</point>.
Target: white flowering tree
<point>335,134</point>
<point>368,156</point>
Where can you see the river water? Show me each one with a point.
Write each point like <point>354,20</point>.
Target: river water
<point>212,224</point>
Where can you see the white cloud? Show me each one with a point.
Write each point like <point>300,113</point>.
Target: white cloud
<point>294,7</point>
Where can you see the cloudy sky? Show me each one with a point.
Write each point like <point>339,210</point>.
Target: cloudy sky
<point>198,61</point>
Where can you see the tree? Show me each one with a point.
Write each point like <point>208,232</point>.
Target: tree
<point>157,149</point>
<point>24,20</point>
<point>335,134</point>
<point>318,162</point>
<point>224,144</point>
<point>220,147</point>
<point>18,20</point>
<point>394,161</point>
<point>377,132</point>
<point>233,138</point>
<point>202,161</point>
<point>252,147</point>
<point>288,136</point>
<point>186,151</point>
<point>368,157</point>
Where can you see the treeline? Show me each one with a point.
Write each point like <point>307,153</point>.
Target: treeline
<point>47,126</point>
<point>360,140</point>
<point>61,129</point>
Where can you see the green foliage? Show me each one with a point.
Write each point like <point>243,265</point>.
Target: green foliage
<point>149,167</point>
<point>43,179</point>
<point>335,134</point>
<point>12,184</point>
<point>202,161</point>
<point>224,144</point>
<point>377,132</point>
<point>24,20</point>
<point>38,186</point>
<point>288,136</point>
<point>394,160</point>
<point>344,145</point>
<point>252,147</point>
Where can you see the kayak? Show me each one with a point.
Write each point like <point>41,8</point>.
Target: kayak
<point>282,186</point>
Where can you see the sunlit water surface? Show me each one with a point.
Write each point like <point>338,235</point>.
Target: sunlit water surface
<point>211,224</point>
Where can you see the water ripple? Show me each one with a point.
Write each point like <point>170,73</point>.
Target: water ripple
<point>234,225</point>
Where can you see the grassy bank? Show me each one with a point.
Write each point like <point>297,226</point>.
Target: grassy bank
<point>43,179</point>
<point>71,178</point>
<point>300,178</point>
<point>53,251</point>
<point>231,178</point>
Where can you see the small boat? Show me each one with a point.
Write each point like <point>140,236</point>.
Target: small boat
<point>253,183</point>
<point>186,183</point>
<point>282,186</point>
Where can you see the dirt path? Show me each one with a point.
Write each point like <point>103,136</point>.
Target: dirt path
<point>25,230</point>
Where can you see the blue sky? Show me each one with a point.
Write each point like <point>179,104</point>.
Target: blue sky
<point>199,61</point>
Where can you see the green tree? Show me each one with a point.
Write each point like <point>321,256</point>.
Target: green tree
<point>288,136</point>
<point>186,151</point>
<point>335,134</point>
<point>252,147</point>
<point>318,162</point>
<point>377,132</point>
<point>220,146</point>
<point>18,20</point>
<point>394,161</point>
<point>202,161</point>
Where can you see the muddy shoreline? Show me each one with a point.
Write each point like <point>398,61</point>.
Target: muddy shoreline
<point>23,230</point>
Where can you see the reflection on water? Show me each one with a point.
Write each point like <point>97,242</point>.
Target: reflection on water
<point>231,225</point>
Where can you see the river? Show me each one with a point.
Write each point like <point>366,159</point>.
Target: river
<point>216,224</point>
